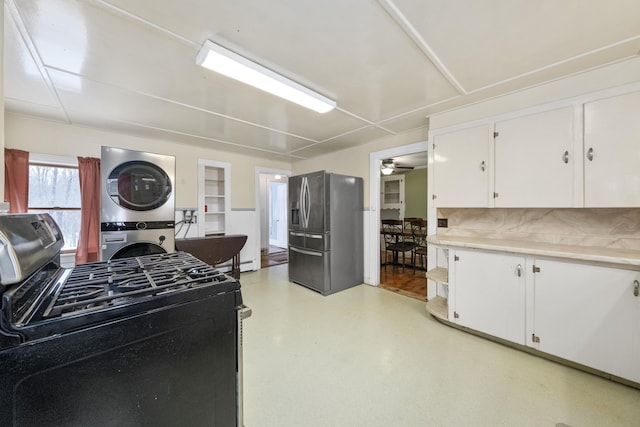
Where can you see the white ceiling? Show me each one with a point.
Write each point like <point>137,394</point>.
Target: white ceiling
<point>129,65</point>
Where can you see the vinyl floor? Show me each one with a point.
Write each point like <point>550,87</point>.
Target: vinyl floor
<point>369,357</point>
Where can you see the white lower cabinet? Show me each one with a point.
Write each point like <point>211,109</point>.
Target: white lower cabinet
<point>587,314</point>
<point>489,293</point>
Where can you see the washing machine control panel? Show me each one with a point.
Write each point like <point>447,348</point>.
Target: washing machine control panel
<point>136,225</point>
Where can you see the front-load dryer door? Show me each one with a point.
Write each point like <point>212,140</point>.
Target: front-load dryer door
<point>136,186</point>
<point>139,186</point>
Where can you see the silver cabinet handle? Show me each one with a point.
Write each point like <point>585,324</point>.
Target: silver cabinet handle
<point>565,157</point>
<point>636,288</point>
<point>590,154</point>
<point>482,166</point>
<point>519,270</point>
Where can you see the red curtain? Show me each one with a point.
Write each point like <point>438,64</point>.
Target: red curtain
<point>16,179</point>
<point>88,249</point>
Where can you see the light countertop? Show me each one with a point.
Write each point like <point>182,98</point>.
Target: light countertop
<point>619,257</point>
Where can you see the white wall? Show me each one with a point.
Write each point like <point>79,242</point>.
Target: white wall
<point>355,161</point>
<point>47,137</point>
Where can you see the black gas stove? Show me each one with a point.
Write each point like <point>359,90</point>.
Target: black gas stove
<point>148,340</point>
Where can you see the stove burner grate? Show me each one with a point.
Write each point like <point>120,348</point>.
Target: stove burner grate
<point>96,286</point>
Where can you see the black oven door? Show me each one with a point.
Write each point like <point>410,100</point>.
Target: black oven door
<point>139,186</point>
<point>176,366</point>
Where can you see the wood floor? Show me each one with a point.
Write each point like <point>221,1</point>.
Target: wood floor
<point>273,256</point>
<point>406,282</point>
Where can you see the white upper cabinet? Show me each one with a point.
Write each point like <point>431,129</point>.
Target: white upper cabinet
<point>534,160</point>
<point>581,155</point>
<point>612,151</point>
<point>461,168</point>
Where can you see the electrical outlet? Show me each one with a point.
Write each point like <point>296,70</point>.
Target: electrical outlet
<point>443,222</point>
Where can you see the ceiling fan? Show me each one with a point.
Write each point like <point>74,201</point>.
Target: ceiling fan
<point>388,166</point>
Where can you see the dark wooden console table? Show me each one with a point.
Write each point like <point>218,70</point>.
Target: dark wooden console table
<point>215,250</point>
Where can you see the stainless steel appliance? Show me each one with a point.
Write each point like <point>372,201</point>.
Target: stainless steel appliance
<point>137,203</point>
<point>127,239</point>
<point>326,231</point>
<point>148,340</point>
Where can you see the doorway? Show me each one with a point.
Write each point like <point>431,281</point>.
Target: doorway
<point>394,275</point>
<point>278,214</point>
<point>271,215</point>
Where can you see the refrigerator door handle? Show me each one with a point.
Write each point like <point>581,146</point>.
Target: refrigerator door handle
<point>296,234</point>
<point>302,251</point>
<point>302,201</point>
<point>307,202</point>
<point>314,236</point>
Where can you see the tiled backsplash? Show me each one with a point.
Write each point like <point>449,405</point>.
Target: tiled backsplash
<point>610,227</point>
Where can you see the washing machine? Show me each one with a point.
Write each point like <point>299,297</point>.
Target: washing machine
<point>127,239</point>
<point>137,203</point>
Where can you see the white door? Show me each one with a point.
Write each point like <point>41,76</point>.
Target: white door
<point>489,293</point>
<point>534,160</point>
<point>587,314</point>
<point>612,152</point>
<point>278,214</point>
<point>461,168</point>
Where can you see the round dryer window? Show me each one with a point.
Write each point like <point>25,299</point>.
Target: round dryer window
<point>139,186</point>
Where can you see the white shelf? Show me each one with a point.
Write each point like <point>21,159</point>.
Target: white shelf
<point>214,189</point>
<point>438,274</point>
<point>438,307</point>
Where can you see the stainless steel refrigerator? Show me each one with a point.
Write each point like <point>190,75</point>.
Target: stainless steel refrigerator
<point>325,219</point>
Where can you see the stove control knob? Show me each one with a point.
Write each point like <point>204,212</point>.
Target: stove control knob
<point>141,225</point>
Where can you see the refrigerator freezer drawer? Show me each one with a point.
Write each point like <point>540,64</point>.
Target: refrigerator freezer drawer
<point>317,241</point>
<point>309,240</point>
<point>296,238</point>
<point>310,269</point>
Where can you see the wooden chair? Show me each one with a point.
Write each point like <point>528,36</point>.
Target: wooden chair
<point>394,242</point>
<point>419,231</point>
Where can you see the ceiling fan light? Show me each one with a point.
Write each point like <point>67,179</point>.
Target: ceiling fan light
<point>230,64</point>
<point>386,170</point>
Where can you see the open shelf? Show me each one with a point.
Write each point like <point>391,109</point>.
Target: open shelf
<point>438,274</point>
<point>437,307</point>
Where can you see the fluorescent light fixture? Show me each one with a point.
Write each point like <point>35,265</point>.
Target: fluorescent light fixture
<point>223,61</point>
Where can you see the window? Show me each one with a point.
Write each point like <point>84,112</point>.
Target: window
<point>54,188</point>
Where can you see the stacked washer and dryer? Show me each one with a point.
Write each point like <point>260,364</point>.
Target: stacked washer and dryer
<point>138,203</point>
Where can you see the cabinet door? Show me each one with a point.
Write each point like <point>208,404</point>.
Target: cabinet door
<point>392,192</point>
<point>534,160</point>
<point>588,314</point>
<point>489,293</point>
<point>612,152</point>
<point>461,168</point>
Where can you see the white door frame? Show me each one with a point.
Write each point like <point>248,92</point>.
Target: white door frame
<point>374,201</point>
<point>262,171</point>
